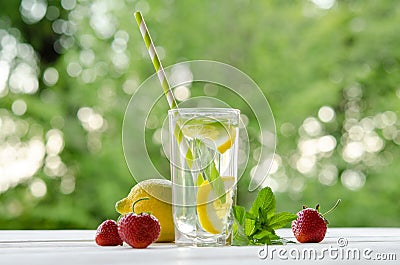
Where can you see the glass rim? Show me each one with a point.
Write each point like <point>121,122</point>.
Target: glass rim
<point>203,111</point>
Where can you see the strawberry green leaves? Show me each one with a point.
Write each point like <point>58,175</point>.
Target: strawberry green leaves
<point>257,226</point>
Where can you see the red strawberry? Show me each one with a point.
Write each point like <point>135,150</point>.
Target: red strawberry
<point>310,225</point>
<point>139,230</point>
<point>107,234</point>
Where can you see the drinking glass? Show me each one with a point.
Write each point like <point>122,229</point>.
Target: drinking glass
<point>204,150</point>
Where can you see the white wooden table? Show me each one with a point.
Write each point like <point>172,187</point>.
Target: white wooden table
<point>346,245</point>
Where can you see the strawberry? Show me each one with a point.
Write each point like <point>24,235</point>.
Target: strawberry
<point>107,234</point>
<point>310,226</point>
<point>139,230</point>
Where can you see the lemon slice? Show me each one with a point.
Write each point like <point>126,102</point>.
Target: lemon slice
<point>222,148</point>
<point>213,133</point>
<point>212,213</point>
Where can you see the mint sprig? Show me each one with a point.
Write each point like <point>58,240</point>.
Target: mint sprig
<point>209,170</point>
<point>258,225</point>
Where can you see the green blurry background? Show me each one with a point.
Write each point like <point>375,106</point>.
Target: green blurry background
<point>330,70</point>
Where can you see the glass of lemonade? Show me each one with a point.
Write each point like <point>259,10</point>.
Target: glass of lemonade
<point>204,150</point>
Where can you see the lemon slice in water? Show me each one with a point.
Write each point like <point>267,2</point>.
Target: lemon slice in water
<point>213,133</point>
<point>222,148</point>
<point>212,213</point>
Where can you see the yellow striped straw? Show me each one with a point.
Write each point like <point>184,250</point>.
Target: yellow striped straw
<point>183,145</point>
<point>156,60</point>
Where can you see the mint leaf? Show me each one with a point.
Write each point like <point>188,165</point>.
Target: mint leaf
<point>251,216</point>
<point>216,181</point>
<point>269,238</point>
<point>249,226</point>
<point>265,200</point>
<point>206,163</point>
<point>265,237</point>
<point>239,236</point>
<point>239,212</point>
<point>257,226</point>
<point>279,220</point>
<point>262,237</point>
<point>262,234</point>
<point>263,216</point>
<point>189,158</point>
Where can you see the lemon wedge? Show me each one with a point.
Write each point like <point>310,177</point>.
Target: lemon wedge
<point>212,213</point>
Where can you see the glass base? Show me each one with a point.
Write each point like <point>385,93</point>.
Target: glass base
<point>182,240</point>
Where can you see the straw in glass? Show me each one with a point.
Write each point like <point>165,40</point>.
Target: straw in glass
<point>217,183</point>
<point>164,83</point>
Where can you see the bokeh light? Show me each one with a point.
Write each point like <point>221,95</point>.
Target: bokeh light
<point>324,4</point>
<point>33,11</point>
<point>68,68</point>
<point>90,119</point>
<point>19,107</point>
<point>326,114</point>
<point>352,179</point>
<point>182,93</point>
